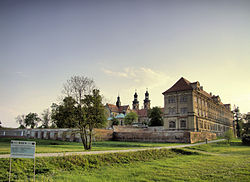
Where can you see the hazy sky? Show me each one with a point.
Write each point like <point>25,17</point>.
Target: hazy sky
<point>123,45</point>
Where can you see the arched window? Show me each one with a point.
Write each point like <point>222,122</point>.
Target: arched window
<point>172,124</point>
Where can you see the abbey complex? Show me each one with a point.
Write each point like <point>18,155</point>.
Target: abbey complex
<point>187,107</point>
<point>190,114</point>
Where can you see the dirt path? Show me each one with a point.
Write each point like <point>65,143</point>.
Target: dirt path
<point>112,151</point>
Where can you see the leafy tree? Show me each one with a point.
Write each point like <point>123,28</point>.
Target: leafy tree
<point>246,139</point>
<point>31,120</point>
<point>82,108</point>
<point>155,116</point>
<point>64,115</point>
<point>94,117</point>
<point>46,118</point>
<point>20,119</point>
<point>130,118</point>
<point>229,135</point>
<point>246,128</point>
<point>114,121</point>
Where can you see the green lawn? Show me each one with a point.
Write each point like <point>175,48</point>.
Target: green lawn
<point>231,163</point>
<point>52,146</point>
<point>221,162</point>
<point>235,147</point>
<point>181,168</point>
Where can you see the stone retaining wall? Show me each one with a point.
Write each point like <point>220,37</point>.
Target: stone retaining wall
<point>56,134</point>
<point>119,133</point>
<point>201,136</point>
<point>159,134</point>
<point>149,136</point>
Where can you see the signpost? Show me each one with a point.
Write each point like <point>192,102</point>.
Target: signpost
<point>22,149</point>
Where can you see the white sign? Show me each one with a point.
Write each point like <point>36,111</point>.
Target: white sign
<point>22,149</point>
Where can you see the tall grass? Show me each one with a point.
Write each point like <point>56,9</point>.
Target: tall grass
<point>23,168</point>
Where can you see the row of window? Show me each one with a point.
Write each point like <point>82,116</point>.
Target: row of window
<point>202,104</point>
<point>213,127</point>
<point>172,110</point>
<point>183,124</point>
<point>172,99</point>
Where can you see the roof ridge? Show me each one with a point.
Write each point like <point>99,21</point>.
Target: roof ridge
<point>181,84</point>
<point>188,82</point>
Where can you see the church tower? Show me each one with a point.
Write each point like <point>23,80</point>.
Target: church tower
<point>135,102</point>
<point>118,102</point>
<point>146,101</point>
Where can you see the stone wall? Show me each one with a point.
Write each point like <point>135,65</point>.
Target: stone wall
<point>103,134</point>
<point>159,134</point>
<point>152,136</point>
<point>201,136</point>
<point>56,134</point>
<point>119,133</point>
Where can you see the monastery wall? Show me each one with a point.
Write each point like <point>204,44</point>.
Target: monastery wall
<point>120,133</point>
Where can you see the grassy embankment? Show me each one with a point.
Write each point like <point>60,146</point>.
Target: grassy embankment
<point>221,162</point>
<point>52,146</point>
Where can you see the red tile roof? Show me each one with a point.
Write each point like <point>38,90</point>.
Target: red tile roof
<point>142,112</point>
<point>123,108</point>
<point>181,85</point>
<point>112,107</point>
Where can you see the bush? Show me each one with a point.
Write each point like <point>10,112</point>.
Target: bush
<point>229,135</point>
<point>114,121</point>
<point>246,139</point>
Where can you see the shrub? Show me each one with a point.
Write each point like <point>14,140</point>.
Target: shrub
<point>114,121</point>
<point>229,135</point>
<point>246,139</point>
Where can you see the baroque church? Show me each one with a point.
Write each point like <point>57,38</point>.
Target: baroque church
<point>119,111</point>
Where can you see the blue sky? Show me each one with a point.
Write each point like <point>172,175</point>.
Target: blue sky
<point>123,46</point>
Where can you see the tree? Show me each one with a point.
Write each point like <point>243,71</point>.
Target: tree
<point>78,86</point>
<point>237,117</point>
<point>114,121</point>
<point>246,128</point>
<point>82,108</point>
<point>94,117</point>
<point>64,115</point>
<point>46,118</point>
<point>155,116</point>
<point>130,118</point>
<point>229,135</point>
<point>20,119</point>
<point>31,120</point>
